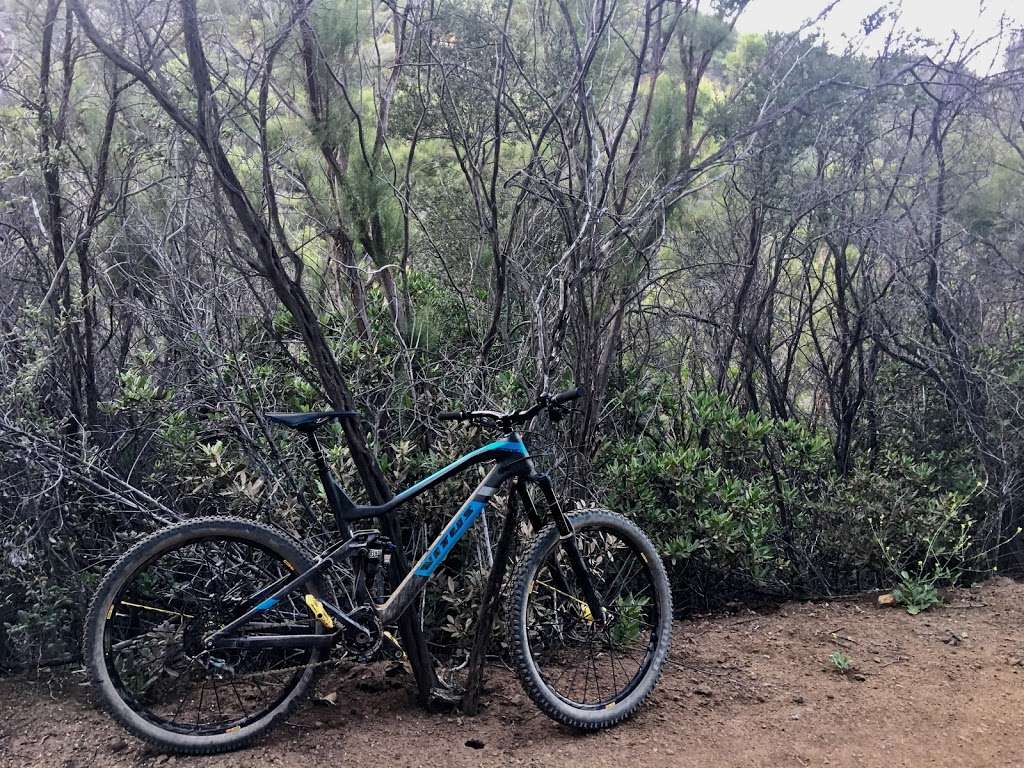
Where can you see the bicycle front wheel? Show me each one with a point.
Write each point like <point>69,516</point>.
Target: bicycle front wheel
<point>144,643</point>
<point>584,671</point>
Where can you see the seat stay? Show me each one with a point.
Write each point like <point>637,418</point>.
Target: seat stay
<point>271,595</point>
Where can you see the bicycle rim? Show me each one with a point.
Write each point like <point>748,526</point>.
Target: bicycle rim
<point>588,663</point>
<point>153,637</point>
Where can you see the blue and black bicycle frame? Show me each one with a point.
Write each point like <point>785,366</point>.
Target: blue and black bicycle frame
<point>512,463</point>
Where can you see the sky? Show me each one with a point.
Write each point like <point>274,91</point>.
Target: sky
<point>936,19</point>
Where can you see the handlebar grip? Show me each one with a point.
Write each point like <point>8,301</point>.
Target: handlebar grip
<point>565,397</point>
<point>451,416</point>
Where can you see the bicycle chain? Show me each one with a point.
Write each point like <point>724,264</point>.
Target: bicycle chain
<point>295,668</point>
<point>329,660</point>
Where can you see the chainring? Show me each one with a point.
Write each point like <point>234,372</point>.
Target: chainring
<point>364,647</point>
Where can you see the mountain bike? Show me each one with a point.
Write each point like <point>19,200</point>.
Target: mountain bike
<point>209,632</point>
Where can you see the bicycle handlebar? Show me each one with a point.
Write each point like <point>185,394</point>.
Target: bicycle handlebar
<point>567,396</point>
<point>514,417</point>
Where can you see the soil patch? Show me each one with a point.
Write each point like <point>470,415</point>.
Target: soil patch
<point>748,689</point>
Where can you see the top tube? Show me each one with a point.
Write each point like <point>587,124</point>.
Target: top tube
<point>510,447</point>
<point>495,450</point>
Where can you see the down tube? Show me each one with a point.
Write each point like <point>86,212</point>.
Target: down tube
<point>420,574</point>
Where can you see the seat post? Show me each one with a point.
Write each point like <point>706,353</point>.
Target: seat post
<point>318,452</point>
<point>327,481</point>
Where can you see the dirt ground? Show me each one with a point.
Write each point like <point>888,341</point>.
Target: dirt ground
<point>745,689</point>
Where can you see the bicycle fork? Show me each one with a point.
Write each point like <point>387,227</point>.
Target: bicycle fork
<point>567,540</point>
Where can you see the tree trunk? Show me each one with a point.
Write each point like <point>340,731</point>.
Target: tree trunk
<point>489,604</point>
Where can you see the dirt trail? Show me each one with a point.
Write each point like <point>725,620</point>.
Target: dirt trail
<point>940,689</point>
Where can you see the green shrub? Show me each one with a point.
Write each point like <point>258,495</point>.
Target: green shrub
<point>742,500</point>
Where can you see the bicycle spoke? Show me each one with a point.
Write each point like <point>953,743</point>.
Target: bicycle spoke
<point>155,637</point>
<point>588,660</point>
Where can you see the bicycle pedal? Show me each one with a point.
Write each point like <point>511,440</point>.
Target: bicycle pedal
<point>319,611</point>
<point>392,648</point>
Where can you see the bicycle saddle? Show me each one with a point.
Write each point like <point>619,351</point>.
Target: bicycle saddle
<point>306,422</point>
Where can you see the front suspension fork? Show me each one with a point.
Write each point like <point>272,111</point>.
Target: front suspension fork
<point>567,540</point>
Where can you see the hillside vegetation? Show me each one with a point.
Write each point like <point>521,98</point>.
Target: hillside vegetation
<point>787,277</point>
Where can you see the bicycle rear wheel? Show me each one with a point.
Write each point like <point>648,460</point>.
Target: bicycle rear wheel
<point>145,633</point>
<point>584,671</point>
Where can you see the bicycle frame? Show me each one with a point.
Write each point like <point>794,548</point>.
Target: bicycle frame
<point>512,461</point>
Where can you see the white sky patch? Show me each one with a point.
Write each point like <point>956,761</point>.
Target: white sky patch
<point>934,19</point>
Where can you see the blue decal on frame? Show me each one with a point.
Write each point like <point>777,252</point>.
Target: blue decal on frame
<point>444,543</point>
